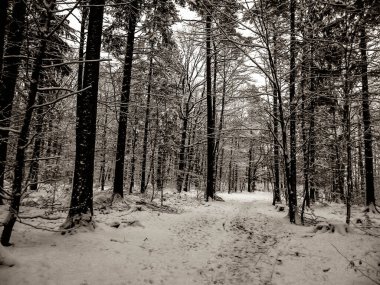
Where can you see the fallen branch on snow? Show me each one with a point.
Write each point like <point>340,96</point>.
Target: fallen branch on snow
<point>357,268</point>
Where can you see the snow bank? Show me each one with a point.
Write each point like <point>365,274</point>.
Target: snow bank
<point>6,258</point>
<point>246,197</point>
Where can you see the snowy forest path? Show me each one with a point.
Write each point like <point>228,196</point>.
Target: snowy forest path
<point>230,243</point>
<point>212,243</point>
<point>241,241</point>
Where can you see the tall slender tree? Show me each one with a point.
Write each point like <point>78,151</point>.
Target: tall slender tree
<point>11,63</point>
<point>81,46</point>
<point>143,182</point>
<point>276,152</point>
<point>3,23</point>
<point>22,141</point>
<point>81,206</point>
<point>368,152</point>
<point>125,97</point>
<point>210,185</point>
<point>292,92</point>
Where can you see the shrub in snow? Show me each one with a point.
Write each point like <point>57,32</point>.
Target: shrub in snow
<point>324,227</point>
<point>280,207</point>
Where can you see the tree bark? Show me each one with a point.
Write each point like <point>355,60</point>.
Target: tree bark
<point>210,115</point>
<point>124,102</point>
<point>143,183</point>
<point>276,153</point>
<point>81,46</point>
<point>251,169</point>
<point>11,63</point>
<point>22,140</point>
<point>133,158</point>
<point>34,165</point>
<point>103,162</point>
<point>81,206</point>
<point>220,127</point>
<point>368,153</point>
<point>182,150</point>
<point>3,23</point>
<point>292,92</point>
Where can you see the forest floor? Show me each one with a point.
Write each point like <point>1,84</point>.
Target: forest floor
<point>243,240</point>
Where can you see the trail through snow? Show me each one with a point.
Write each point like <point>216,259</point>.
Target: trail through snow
<point>240,241</point>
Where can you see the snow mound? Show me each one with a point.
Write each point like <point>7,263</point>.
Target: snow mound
<point>6,258</point>
<point>247,197</point>
<point>324,227</point>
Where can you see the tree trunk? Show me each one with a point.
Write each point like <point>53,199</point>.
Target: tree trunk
<point>81,46</point>
<point>368,153</point>
<point>361,174</point>
<point>143,184</point>
<point>133,158</point>
<point>292,92</point>
<point>230,171</point>
<point>182,150</point>
<point>3,23</point>
<point>22,140</point>
<point>81,206</point>
<point>347,122</point>
<point>220,127</point>
<point>11,62</point>
<point>306,164</point>
<point>103,161</point>
<point>250,168</point>
<point>347,135</point>
<point>124,102</point>
<point>276,154</point>
<point>190,162</point>
<point>210,115</point>
<point>34,165</point>
<point>214,88</point>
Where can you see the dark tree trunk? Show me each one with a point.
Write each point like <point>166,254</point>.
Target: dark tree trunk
<point>230,173</point>
<point>160,169</point>
<point>133,158</point>
<point>236,178</point>
<point>368,153</point>
<point>81,46</point>
<point>347,126</point>
<point>220,127</point>
<point>250,168</point>
<point>124,103</point>
<point>311,148</point>
<point>11,62</point>
<point>190,162</point>
<point>221,169</point>
<point>182,150</point>
<point>34,165</point>
<point>361,186</point>
<point>347,135</point>
<point>210,115</point>
<point>81,206</point>
<point>292,92</point>
<point>22,140</point>
<point>143,183</point>
<point>214,87</point>
<point>3,23</point>
<point>306,164</point>
<point>104,152</point>
<point>311,141</point>
<point>276,153</point>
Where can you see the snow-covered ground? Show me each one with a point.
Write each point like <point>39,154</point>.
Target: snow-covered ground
<point>243,240</point>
